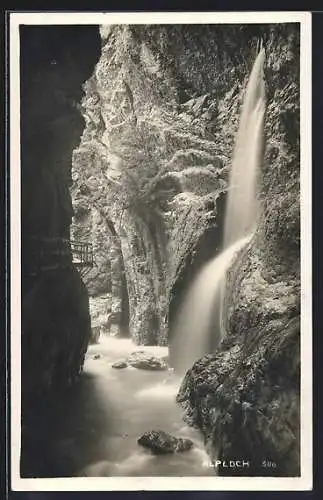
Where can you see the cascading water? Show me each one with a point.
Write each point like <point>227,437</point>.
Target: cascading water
<point>194,321</point>
<point>242,208</point>
<point>195,331</point>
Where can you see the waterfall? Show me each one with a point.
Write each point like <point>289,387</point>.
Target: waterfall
<point>199,324</point>
<point>192,330</point>
<point>242,210</point>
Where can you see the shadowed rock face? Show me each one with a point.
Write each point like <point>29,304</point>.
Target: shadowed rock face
<point>55,62</point>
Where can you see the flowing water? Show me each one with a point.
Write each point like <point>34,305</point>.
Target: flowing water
<point>199,325</point>
<point>242,208</point>
<point>96,431</point>
<point>195,318</point>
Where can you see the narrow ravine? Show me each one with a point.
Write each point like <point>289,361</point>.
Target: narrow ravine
<point>98,427</point>
<point>160,172</point>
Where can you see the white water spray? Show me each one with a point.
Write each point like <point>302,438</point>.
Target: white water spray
<point>192,329</point>
<point>195,332</point>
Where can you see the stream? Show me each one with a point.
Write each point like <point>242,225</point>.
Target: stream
<point>97,428</point>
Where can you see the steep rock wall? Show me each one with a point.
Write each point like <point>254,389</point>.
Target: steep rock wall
<point>105,281</point>
<point>55,61</point>
<point>161,112</point>
<point>245,397</point>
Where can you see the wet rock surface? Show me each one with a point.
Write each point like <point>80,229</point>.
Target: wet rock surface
<point>160,442</point>
<point>120,364</point>
<point>142,361</point>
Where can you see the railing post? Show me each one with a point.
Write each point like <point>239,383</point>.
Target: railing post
<point>82,254</point>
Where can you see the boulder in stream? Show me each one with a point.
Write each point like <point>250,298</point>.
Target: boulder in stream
<point>144,361</point>
<point>120,364</point>
<point>160,442</point>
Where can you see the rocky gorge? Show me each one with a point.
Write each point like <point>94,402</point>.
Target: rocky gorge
<point>149,187</point>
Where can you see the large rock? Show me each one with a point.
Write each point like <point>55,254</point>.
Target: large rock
<point>120,364</point>
<point>160,442</point>
<point>144,361</point>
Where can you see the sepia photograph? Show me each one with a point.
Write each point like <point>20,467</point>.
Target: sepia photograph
<point>161,251</point>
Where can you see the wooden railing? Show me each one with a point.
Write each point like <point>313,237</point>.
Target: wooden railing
<point>45,254</point>
<point>82,254</point>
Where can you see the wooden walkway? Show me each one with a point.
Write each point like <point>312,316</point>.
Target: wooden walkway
<point>47,254</point>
